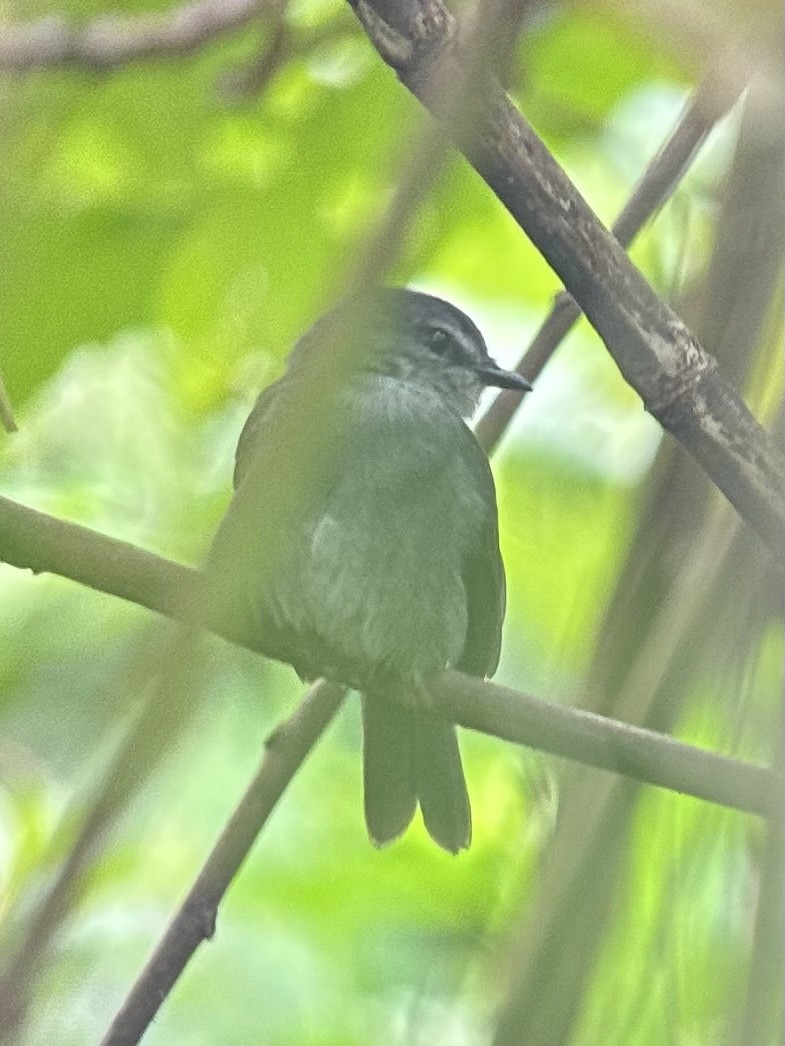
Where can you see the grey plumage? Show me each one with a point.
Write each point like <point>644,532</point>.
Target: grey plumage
<point>393,570</point>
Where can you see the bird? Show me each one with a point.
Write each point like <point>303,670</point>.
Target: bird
<point>389,570</point>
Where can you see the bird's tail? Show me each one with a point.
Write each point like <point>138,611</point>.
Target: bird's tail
<point>411,756</point>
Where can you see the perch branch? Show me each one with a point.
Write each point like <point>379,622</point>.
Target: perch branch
<point>120,569</point>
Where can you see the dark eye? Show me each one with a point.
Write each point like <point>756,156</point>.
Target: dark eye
<point>438,339</point>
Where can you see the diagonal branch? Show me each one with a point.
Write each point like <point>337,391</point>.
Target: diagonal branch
<point>656,353</point>
<point>194,922</point>
<point>710,102</point>
<point>252,534</point>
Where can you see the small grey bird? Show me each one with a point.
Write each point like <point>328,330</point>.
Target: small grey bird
<point>391,570</point>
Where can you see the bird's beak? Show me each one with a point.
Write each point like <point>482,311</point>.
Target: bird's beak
<point>491,374</point>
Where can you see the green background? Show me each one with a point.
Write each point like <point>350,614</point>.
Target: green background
<point>164,242</point>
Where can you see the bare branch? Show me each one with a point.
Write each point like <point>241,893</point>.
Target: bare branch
<point>669,616</point>
<point>114,40</point>
<point>32,540</point>
<point>121,569</point>
<point>607,744</point>
<point>196,917</point>
<point>659,357</point>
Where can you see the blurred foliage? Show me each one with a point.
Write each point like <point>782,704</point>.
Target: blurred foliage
<point>164,242</point>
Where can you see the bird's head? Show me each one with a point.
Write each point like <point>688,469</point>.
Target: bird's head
<point>416,338</point>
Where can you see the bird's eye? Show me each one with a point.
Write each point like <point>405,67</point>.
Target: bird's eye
<point>438,338</point>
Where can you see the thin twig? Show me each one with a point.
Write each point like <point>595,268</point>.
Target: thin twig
<point>194,921</point>
<point>114,40</point>
<point>710,102</point>
<point>253,78</point>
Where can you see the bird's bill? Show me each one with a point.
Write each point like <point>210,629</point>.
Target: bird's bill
<point>491,374</point>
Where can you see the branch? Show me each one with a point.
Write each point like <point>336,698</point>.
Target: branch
<point>589,738</point>
<point>194,921</point>
<point>32,540</point>
<point>115,40</point>
<point>711,101</point>
<point>606,744</point>
<point>43,543</point>
<point>656,353</point>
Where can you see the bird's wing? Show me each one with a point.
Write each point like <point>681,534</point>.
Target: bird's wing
<point>483,575</point>
<point>252,436</point>
<point>252,522</point>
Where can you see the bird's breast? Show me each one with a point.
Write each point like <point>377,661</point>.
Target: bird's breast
<point>371,576</point>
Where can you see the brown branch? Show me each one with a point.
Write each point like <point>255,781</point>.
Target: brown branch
<point>286,42</point>
<point>35,541</point>
<point>285,752</point>
<point>656,353</point>
<point>114,40</point>
<point>711,101</point>
<point>122,570</point>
